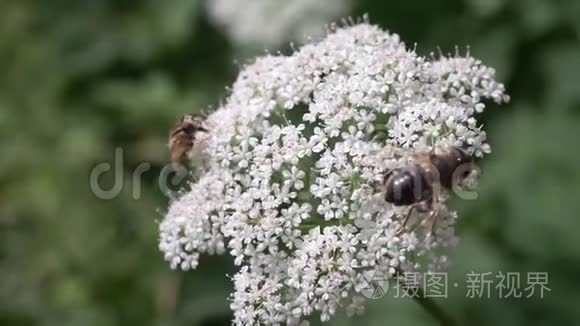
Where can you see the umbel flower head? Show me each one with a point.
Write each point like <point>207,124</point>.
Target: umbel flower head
<point>294,162</point>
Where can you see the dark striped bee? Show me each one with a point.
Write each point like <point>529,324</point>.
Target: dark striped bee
<point>183,136</point>
<point>420,184</point>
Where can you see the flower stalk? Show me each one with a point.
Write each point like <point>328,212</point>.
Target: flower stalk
<point>427,303</point>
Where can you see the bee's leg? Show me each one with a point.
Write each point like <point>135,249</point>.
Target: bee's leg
<point>431,219</point>
<point>422,207</point>
<point>405,221</point>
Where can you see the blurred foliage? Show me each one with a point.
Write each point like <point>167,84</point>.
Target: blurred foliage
<point>79,78</point>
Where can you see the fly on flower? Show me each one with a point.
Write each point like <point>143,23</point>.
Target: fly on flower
<point>183,136</point>
<point>420,184</point>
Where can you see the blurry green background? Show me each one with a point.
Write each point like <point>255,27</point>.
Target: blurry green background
<point>81,78</point>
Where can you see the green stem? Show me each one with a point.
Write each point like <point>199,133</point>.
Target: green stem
<point>427,303</point>
<point>433,309</point>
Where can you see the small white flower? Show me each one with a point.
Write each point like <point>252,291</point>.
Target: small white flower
<point>294,177</point>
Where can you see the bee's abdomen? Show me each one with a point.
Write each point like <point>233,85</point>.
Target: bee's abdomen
<point>407,186</point>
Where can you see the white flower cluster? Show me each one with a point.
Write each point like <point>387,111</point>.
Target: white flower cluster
<point>274,22</point>
<point>291,187</point>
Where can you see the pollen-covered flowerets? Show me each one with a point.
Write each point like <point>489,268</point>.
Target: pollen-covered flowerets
<point>296,159</point>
